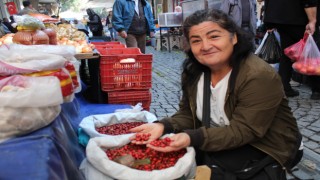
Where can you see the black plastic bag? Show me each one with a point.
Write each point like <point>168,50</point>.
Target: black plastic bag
<point>270,49</point>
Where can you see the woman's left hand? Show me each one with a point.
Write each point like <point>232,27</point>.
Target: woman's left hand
<point>178,141</point>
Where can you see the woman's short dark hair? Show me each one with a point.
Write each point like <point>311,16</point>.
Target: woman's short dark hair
<point>191,67</point>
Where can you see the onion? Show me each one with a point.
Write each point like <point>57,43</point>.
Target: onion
<point>52,35</point>
<point>23,37</point>
<point>40,37</point>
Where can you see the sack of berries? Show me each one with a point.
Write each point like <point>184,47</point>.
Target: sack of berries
<point>131,161</point>
<point>115,126</point>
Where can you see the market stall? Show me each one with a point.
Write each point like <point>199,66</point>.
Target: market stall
<point>51,130</point>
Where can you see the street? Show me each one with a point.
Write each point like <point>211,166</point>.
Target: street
<point>166,93</point>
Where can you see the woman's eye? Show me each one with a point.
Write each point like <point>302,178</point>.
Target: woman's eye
<point>214,36</point>
<point>195,41</point>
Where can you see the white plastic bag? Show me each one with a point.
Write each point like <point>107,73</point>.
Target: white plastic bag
<point>89,124</point>
<point>63,50</point>
<point>23,91</point>
<point>309,60</point>
<point>20,121</point>
<point>27,61</point>
<point>97,157</point>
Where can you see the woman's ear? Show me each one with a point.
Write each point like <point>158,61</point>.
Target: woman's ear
<point>234,39</point>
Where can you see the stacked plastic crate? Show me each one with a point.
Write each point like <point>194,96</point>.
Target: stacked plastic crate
<point>126,75</point>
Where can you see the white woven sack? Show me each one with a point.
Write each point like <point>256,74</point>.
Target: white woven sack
<point>97,157</point>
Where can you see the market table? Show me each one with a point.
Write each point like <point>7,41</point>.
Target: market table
<point>51,152</point>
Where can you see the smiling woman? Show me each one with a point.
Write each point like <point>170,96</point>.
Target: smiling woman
<point>233,109</point>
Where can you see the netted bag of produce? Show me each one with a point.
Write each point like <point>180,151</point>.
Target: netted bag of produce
<point>115,126</point>
<point>29,31</point>
<point>27,104</point>
<point>151,166</point>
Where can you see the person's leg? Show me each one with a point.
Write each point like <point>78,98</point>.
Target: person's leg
<point>115,35</point>
<point>141,39</point>
<point>288,36</point>
<point>111,34</point>
<point>131,41</point>
<point>315,80</point>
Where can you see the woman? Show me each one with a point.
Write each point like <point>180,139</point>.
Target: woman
<point>113,32</point>
<point>95,24</point>
<point>233,110</point>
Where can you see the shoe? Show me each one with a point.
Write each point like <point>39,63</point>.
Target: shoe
<point>315,96</point>
<point>291,93</point>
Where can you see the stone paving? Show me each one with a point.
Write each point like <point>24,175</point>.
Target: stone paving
<point>166,93</point>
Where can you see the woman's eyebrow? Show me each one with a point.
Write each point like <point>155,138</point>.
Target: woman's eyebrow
<point>208,33</point>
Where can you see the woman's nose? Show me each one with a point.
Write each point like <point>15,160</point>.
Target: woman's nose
<point>205,45</point>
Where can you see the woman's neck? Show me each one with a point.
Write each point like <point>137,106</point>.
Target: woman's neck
<point>216,76</point>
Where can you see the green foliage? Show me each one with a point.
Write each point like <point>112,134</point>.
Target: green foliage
<point>73,5</point>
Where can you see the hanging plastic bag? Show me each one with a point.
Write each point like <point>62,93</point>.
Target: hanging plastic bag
<point>269,49</point>
<point>309,61</point>
<point>295,51</point>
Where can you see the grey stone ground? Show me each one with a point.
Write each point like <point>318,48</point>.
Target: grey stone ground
<point>166,93</point>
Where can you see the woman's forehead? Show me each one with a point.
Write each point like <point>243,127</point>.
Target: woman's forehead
<point>206,26</point>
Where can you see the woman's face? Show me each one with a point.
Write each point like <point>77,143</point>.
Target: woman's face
<point>211,45</point>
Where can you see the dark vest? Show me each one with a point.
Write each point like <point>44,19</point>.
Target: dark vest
<point>138,25</point>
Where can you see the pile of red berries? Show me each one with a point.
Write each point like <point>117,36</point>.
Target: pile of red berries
<point>161,142</point>
<point>157,160</point>
<point>118,129</point>
<point>142,137</point>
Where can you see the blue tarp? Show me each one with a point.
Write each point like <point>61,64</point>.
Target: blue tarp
<point>51,152</point>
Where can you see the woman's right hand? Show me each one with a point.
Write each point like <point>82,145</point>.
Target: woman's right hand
<point>154,129</point>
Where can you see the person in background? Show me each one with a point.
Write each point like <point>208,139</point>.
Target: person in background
<point>233,109</point>
<point>84,21</point>
<point>292,18</point>
<point>2,32</point>
<point>133,20</point>
<point>9,26</point>
<point>94,24</point>
<point>78,25</point>
<point>243,12</point>
<point>4,28</point>
<point>13,22</point>
<point>27,8</point>
<point>113,32</point>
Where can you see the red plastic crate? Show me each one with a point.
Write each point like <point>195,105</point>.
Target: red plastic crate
<point>121,69</point>
<point>119,51</point>
<point>103,43</point>
<point>131,97</point>
<point>106,46</point>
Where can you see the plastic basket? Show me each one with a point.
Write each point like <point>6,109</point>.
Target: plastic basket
<point>106,46</point>
<point>131,97</point>
<point>104,43</point>
<point>125,69</point>
<point>120,51</point>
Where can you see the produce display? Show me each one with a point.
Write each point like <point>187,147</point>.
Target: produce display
<point>6,39</point>
<point>143,158</point>
<point>118,129</point>
<point>29,31</point>
<point>35,29</point>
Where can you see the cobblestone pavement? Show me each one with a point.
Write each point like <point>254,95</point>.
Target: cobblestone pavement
<point>166,93</point>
